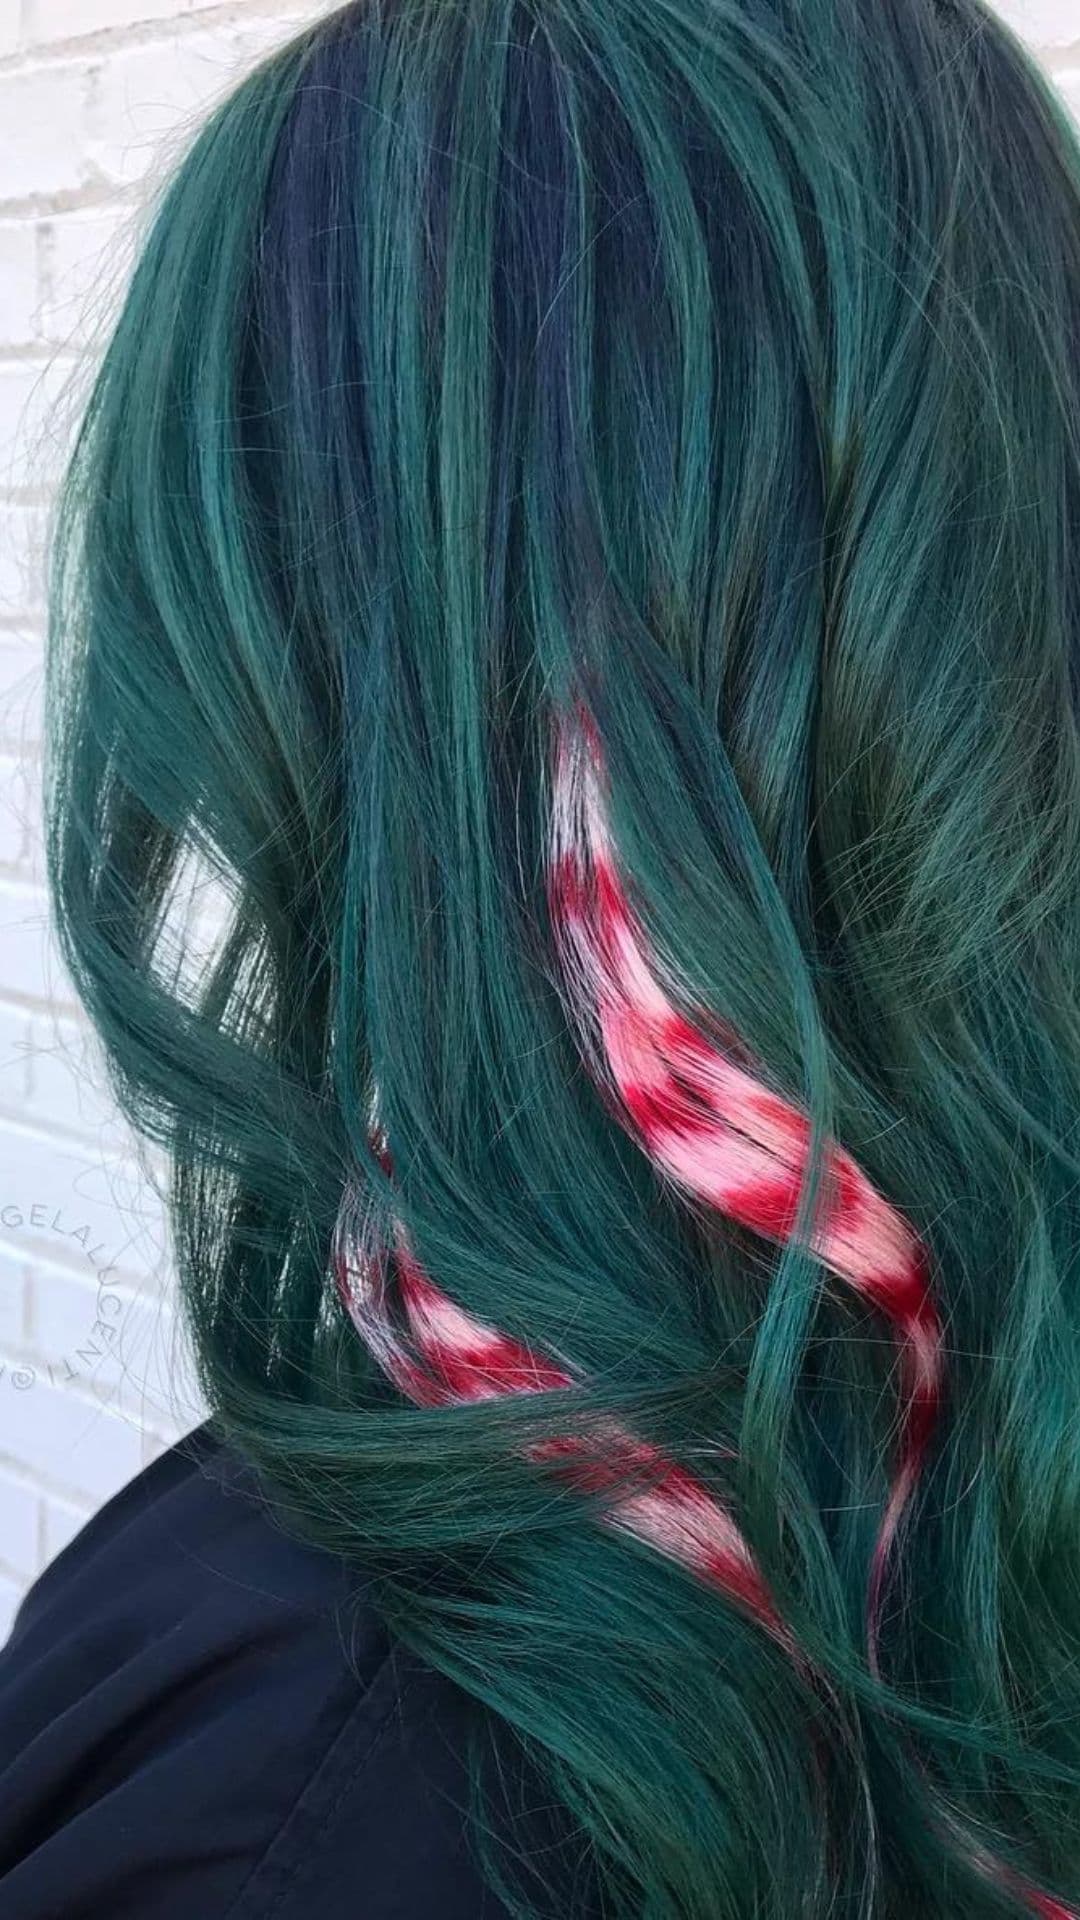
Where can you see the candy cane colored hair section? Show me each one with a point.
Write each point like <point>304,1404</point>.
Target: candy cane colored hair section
<point>711,1125</point>
<point>726,1140</point>
<point>437,1354</point>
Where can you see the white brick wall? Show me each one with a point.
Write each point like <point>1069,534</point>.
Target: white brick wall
<point>94,96</point>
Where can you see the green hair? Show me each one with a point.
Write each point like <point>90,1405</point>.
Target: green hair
<point>711,369</point>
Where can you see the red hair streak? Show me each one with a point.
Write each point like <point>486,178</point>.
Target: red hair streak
<point>711,1125</point>
<point>708,1123</point>
<point>439,1355</point>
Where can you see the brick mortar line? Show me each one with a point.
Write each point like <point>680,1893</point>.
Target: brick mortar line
<point>142,1285</point>
<point>35,500</point>
<point>123,1159</point>
<point>91,196</point>
<point>66,1490</point>
<point>136,1290</point>
<point>22,1122</point>
<point>146,1283</point>
<point>14,1000</point>
<point>124,35</point>
<point>86,1346</point>
<point>65,1134</point>
<point>101,41</point>
<point>25,1478</point>
<point>41,352</point>
<point>41,1133</point>
<point>16,1473</point>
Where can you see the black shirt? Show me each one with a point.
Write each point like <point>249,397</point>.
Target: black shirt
<point>192,1726</point>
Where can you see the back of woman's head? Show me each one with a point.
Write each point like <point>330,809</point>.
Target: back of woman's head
<point>579,528</point>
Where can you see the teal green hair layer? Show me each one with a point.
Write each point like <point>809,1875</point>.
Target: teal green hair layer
<point>719,361</point>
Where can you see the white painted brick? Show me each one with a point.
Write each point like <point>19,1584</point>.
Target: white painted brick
<point>80,127</point>
<point>87,257</point>
<point>44,114</point>
<point>32,966</point>
<point>119,1342</point>
<point>15,828</point>
<point>1069,83</point>
<point>76,1321</point>
<point>26,782</point>
<point>18,279</point>
<point>21,675</point>
<point>15,1050</point>
<point>149,101</point>
<point>78,1445</point>
<point>155,1444</point>
<point>40,401</point>
<point>52,22</point>
<point>22,539</point>
<point>62,1521</point>
<point>1044,23</point>
<point>19,1527</point>
<point>61,19</point>
<point>258,37</point>
<point>11,1592</point>
<point>71,1203</point>
<point>66,1085</point>
<point>158,1363</point>
<point>14,1302</point>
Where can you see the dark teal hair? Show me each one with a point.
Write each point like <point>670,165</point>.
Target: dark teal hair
<point>713,365</point>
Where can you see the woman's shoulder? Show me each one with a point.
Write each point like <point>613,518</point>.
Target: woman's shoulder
<point>201,1714</point>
